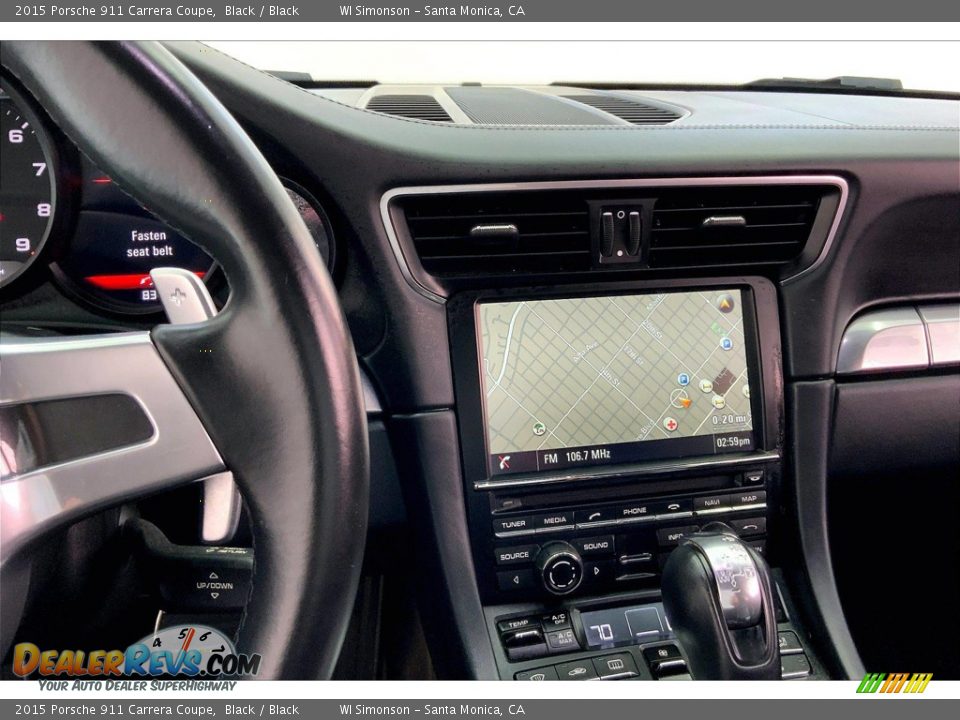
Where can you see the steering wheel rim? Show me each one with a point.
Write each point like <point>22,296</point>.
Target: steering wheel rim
<point>273,378</point>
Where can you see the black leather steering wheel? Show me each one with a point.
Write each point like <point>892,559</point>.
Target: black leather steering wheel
<point>273,378</point>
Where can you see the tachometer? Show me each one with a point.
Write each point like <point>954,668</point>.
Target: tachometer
<point>28,198</point>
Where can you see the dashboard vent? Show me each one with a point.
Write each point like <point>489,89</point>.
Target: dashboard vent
<point>633,111</point>
<point>498,233</point>
<point>418,107</point>
<point>731,226</point>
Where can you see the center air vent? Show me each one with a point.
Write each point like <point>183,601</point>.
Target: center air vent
<point>418,107</point>
<point>496,233</point>
<point>633,111</point>
<point>731,226</point>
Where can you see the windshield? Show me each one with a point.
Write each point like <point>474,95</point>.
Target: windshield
<point>628,63</point>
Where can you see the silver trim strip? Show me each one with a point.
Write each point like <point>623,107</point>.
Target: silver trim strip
<point>943,332</point>
<point>179,451</point>
<point>646,469</point>
<point>186,300</point>
<point>889,339</point>
<point>411,279</point>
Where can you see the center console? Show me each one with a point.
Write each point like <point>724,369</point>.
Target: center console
<point>599,429</point>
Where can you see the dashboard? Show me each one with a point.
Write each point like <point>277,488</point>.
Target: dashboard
<point>65,220</point>
<point>594,321</point>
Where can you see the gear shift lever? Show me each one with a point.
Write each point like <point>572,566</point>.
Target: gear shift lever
<point>718,595</point>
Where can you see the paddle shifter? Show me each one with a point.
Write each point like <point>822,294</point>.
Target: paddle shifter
<point>718,596</point>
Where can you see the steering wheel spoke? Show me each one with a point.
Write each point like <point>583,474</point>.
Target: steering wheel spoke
<point>42,490</point>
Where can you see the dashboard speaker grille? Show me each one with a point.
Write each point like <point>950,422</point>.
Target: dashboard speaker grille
<point>633,111</point>
<point>731,226</point>
<point>418,107</point>
<point>497,233</point>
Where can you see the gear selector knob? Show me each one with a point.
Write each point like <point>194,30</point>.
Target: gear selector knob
<point>718,595</point>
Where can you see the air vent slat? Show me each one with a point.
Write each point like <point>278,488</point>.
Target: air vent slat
<point>773,225</point>
<point>552,233</point>
<point>633,111</point>
<point>417,107</point>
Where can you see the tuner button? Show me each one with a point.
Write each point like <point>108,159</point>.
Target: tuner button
<point>560,567</point>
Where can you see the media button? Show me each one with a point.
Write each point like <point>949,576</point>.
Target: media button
<point>505,527</point>
<point>753,477</point>
<point>517,554</point>
<point>551,522</point>
<point>599,545</point>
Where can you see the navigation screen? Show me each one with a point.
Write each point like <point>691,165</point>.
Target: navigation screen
<point>621,378</point>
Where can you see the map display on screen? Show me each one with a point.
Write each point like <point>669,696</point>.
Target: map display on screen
<point>619,378</point>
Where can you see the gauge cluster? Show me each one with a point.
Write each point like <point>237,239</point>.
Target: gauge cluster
<point>59,211</point>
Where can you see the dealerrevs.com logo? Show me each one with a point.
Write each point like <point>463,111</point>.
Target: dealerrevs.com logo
<point>182,650</point>
<point>888,683</point>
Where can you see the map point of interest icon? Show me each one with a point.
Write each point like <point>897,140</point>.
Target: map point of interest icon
<point>725,303</point>
<point>683,379</point>
<point>726,344</point>
<point>539,429</point>
<point>706,386</point>
<point>670,424</point>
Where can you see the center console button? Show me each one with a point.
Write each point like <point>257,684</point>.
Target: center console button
<point>544,673</point>
<point>521,637</point>
<point>711,504</point>
<point>662,652</point>
<point>753,477</point>
<point>598,573</point>
<point>636,559</point>
<point>679,507</point>
<point>560,567</point>
<point>672,536</point>
<point>517,624</point>
<point>577,670</point>
<point>551,522</point>
<point>789,643</point>
<point>749,498</point>
<point>614,667</point>
<point>559,620</point>
<point>504,527</point>
<point>599,545</point>
<point>562,641</point>
<point>516,580</point>
<point>516,555</point>
<point>596,517</point>
<point>747,527</point>
<point>637,512</point>
<point>794,666</point>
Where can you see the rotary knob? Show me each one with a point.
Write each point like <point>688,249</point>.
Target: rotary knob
<point>560,567</point>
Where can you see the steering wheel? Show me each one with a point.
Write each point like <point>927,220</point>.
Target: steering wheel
<point>269,388</point>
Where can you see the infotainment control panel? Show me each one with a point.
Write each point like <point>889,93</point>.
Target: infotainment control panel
<point>599,428</point>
